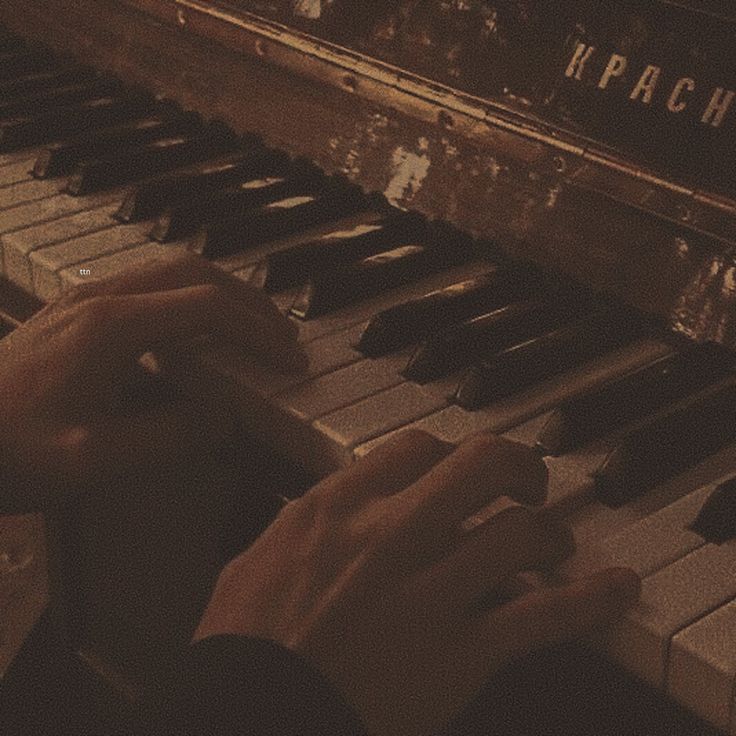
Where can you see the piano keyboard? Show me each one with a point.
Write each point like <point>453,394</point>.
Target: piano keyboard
<point>406,324</point>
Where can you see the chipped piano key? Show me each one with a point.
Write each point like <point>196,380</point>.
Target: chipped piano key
<point>521,365</point>
<point>276,220</point>
<point>332,289</point>
<point>633,396</point>
<point>33,130</point>
<point>406,323</point>
<point>42,100</point>
<point>667,445</point>
<point>135,162</point>
<point>184,217</point>
<point>293,266</point>
<point>61,158</point>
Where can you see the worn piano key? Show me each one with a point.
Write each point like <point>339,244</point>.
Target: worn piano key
<point>61,158</point>
<point>701,671</point>
<point>406,323</point>
<point>186,216</point>
<point>135,162</point>
<point>331,289</point>
<point>25,191</point>
<point>667,445</point>
<point>519,366</point>
<point>16,172</point>
<point>42,100</point>
<point>59,76</point>
<point>462,344</point>
<point>293,266</point>
<point>23,61</point>
<point>33,130</point>
<point>18,245</point>
<point>46,263</point>
<point>716,520</point>
<point>188,192</point>
<point>276,220</point>
<point>633,396</point>
<point>671,599</point>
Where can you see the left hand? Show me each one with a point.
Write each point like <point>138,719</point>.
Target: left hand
<point>78,407</point>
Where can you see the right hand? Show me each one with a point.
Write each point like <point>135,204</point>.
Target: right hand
<point>375,578</point>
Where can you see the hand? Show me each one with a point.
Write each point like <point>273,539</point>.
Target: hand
<point>376,576</point>
<point>77,405</point>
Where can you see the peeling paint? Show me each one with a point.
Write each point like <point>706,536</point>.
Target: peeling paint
<point>409,172</point>
<point>553,195</point>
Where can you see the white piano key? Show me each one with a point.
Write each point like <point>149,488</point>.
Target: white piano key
<point>701,673</point>
<point>25,154</point>
<point>46,263</point>
<point>377,415</point>
<point>671,600</point>
<point>343,387</point>
<point>51,208</point>
<point>17,171</point>
<point>27,191</point>
<point>18,246</point>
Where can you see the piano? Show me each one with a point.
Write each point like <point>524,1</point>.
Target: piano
<point>511,216</point>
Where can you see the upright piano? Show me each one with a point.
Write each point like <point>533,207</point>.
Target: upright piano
<point>509,216</point>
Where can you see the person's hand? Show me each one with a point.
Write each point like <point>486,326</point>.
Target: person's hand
<point>78,407</point>
<point>378,578</point>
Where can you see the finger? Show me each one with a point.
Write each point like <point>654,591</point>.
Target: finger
<point>387,469</point>
<point>554,615</point>
<point>124,326</point>
<point>174,272</point>
<point>514,541</point>
<point>482,469</point>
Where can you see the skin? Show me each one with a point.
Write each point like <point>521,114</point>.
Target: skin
<point>377,575</point>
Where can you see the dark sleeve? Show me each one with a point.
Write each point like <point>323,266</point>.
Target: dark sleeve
<point>240,686</point>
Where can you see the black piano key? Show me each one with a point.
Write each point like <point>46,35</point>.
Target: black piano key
<point>716,520</point>
<point>462,344</point>
<point>275,220</point>
<point>186,216</point>
<point>407,323</point>
<point>48,99</point>
<point>666,446</point>
<point>61,158</point>
<point>187,187</point>
<point>294,266</point>
<point>24,60</point>
<point>334,288</point>
<point>524,364</point>
<point>149,159</point>
<point>49,79</point>
<point>31,130</point>
<point>632,396</point>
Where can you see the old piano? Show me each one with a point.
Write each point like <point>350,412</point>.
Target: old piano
<point>515,216</point>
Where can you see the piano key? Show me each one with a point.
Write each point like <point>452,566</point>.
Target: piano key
<point>633,396</point>
<point>59,76</point>
<point>18,246</point>
<point>534,360</point>
<point>25,191</point>
<point>135,162</point>
<point>33,130</point>
<point>701,671</point>
<point>46,263</point>
<point>716,520</point>
<point>341,388</point>
<point>330,289</point>
<point>277,220</point>
<point>16,172</point>
<point>406,323</point>
<point>61,158</point>
<point>186,216</point>
<point>23,61</point>
<point>42,100</point>
<point>293,266</point>
<point>462,344</point>
<point>668,444</point>
<point>672,599</point>
<point>188,190</point>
